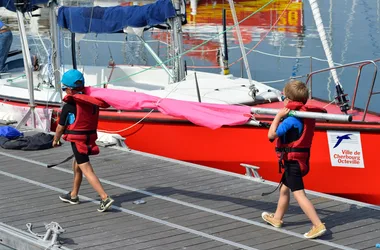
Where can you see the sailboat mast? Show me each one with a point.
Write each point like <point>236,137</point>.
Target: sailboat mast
<point>55,52</point>
<point>177,42</point>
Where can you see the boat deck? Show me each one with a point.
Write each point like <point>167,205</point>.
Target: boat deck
<point>186,206</point>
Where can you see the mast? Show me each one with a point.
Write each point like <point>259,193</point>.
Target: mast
<point>55,53</point>
<point>226,70</point>
<point>177,43</point>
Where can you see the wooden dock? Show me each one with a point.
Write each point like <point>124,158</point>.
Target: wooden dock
<point>186,206</point>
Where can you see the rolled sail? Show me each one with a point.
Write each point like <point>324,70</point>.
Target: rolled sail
<point>114,19</point>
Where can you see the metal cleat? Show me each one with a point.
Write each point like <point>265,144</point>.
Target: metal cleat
<point>120,141</point>
<point>108,140</point>
<point>252,171</point>
<point>50,238</point>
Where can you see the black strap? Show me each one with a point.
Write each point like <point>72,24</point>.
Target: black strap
<point>278,187</point>
<point>56,164</point>
<point>80,132</point>
<point>288,150</point>
<point>89,149</point>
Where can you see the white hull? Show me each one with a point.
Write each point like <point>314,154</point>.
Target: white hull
<point>213,88</point>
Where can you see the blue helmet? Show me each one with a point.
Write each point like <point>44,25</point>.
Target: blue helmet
<point>71,77</point>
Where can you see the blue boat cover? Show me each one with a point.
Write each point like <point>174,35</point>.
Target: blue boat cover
<point>114,19</point>
<point>29,6</point>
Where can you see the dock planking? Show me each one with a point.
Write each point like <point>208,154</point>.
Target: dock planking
<point>187,206</point>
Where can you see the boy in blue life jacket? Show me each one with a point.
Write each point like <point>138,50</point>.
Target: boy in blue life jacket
<point>78,124</point>
<point>294,138</point>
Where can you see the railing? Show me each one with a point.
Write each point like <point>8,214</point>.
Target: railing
<point>361,65</point>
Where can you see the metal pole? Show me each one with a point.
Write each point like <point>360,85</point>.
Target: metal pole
<point>73,56</point>
<point>370,94</point>
<point>302,114</point>
<point>55,53</point>
<point>226,70</point>
<point>27,66</point>
<point>196,84</point>
<point>242,49</point>
<point>176,25</point>
<point>156,57</point>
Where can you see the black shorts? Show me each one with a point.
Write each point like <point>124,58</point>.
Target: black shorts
<point>80,158</point>
<point>292,177</point>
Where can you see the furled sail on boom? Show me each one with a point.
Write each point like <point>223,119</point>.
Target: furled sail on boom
<point>114,19</point>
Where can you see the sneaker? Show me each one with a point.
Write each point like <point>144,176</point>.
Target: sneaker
<point>269,218</point>
<point>105,204</point>
<point>67,198</point>
<point>315,231</point>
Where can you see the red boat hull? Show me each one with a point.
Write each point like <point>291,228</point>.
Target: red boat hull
<point>226,148</point>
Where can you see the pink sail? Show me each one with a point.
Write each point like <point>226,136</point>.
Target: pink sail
<point>203,114</point>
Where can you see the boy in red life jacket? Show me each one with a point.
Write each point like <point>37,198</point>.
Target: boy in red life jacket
<point>78,124</point>
<point>294,137</point>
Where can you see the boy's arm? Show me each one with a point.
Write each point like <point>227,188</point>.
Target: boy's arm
<point>276,121</point>
<point>58,133</point>
<point>273,127</point>
<point>61,125</point>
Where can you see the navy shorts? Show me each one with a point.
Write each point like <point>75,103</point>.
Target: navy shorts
<point>80,158</point>
<point>292,177</point>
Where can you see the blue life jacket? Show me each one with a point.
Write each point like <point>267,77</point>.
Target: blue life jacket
<point>10,132</point>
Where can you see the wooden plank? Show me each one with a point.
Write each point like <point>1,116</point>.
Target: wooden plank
<point>86,228</point>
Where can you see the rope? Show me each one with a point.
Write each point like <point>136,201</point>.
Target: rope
<point>125,129</point>
<point>328,104</point>
<point>262,39</point>
<point>295,57</point>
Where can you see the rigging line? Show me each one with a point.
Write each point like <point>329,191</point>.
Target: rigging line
<point>197,46</point>
<point>262,39</point>
<point>294,57</point>
<point>121,42</point>
<point>330,45</point>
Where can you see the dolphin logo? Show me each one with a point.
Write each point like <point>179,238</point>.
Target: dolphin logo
<point>341,138</point>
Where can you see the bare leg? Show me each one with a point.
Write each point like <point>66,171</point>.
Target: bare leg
<point>283,202</point>
<point>88,171</point>
<point>307,207</point>
<point>77,179</point>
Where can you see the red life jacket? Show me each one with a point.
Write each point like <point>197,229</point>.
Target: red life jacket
<point>299,150</point>
<point>83,131</point>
